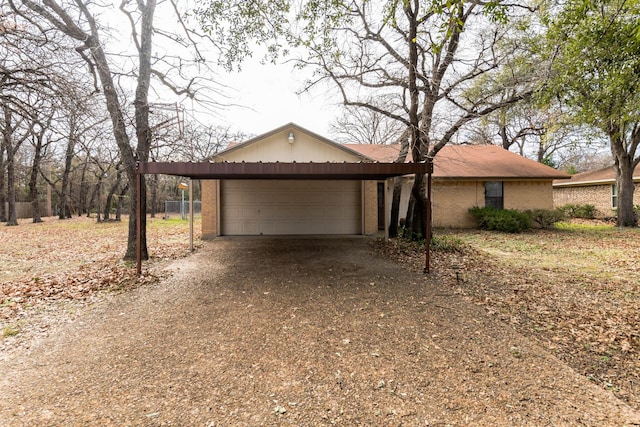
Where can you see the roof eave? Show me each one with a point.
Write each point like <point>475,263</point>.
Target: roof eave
<point>608,181</point>
<point>242,170</point>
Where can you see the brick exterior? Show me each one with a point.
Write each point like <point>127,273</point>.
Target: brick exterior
<point>452,199</point>
<point>209,204</point>
<point>596,195</point>
<point>370,207</point>
<point>523,195</point>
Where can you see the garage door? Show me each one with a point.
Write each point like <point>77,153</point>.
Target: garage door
<point>284,207</point>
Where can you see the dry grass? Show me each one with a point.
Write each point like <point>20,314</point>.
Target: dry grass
<point>575,290</point>
<point>54,246</point>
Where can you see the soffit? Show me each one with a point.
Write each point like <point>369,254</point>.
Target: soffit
<point>224,170</point>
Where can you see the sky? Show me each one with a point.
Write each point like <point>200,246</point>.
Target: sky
<point>265,95</point>
<point>269,99</point>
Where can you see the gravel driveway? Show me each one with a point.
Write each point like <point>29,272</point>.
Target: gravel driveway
<point>251,332</point>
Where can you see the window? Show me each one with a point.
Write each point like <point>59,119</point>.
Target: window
<point>494,195</point>
<point>614,196</point>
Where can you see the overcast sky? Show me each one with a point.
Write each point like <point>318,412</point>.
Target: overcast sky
<point>268,94</point>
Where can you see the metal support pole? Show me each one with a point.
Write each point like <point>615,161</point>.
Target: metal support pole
<point>182,213</point>
<point>190,214</point>
<point>138,220</point>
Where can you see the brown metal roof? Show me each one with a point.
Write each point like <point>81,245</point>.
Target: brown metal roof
<point>224,170</point>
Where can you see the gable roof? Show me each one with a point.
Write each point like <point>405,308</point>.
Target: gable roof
<point>604,176</point>
<point>221,166</point>
<point>472,162</point>
<point>291,127</point>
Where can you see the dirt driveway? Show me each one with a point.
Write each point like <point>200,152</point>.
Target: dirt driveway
<point>295,332</point>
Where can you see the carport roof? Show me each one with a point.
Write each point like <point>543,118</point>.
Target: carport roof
<point>277,170</point>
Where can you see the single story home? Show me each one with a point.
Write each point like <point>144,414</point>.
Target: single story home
<point>597,188</point>
<point>465,176</point>
<point>299,204</point>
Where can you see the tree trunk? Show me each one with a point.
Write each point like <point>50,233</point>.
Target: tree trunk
<point>110,194</point>
<point>418,221</point>
<point>33,181</point>
<point>143,131</point>
<point>154,194</point>
<point>7,136</point>
<point>3,192</point>
<point>122,140</point>
<point>95,194</point>
<point>65,209</point>
<point>397,186</point>
<point>626,216</point>
<point>395,207</point>
<point>84,191</point>
<point>417,136</point>
<point>408,221</point>
<point>12,218</point>
<point>123,193</point>
<point>624,165</point>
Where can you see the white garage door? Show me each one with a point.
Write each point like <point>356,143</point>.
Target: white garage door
<point>281,207</point>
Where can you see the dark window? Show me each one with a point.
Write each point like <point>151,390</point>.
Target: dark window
<point>614,196</point>
<point>493,194</point>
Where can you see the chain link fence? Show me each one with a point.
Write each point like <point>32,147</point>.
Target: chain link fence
<point>177,208</point>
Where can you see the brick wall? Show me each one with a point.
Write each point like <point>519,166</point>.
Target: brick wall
<point>370,198</point>
<point>523,195</point>
<point>597,195</point>
<point>452,199</point>
<point>209,214</point>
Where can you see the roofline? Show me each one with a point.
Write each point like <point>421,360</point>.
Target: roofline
<point>319,171</point>
<point>591,182</point>
<point>497,178</point>
<point>300,128</point>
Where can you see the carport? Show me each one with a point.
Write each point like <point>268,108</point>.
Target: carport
<point>282,171</point>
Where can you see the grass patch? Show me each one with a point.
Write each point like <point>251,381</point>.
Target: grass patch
<point>447,243</point>
<point>11,330</point>
<point>584,227</point>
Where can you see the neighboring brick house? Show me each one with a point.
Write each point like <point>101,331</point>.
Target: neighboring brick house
<point>597,188</point>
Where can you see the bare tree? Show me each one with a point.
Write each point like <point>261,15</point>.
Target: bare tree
<point>422,58</point>
<point>545,134</point>
<point>78,21</point>
<point>39,149</point>
<point>365,126</point>
<point>29,80</point>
